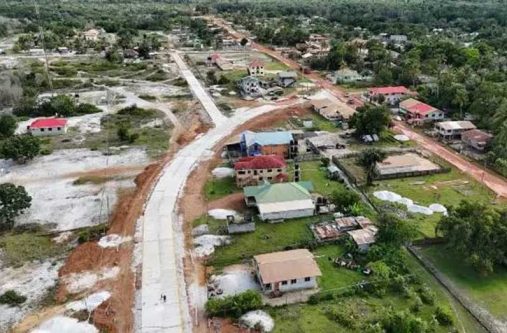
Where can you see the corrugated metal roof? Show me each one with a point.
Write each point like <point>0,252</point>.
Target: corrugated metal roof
<point>282,192</point>
<point>267,138</point>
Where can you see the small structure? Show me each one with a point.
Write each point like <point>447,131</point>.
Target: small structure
<point>245,225</point>
<point>325,141</point>
<point>217,60</point>
<point>347,75</point>
<point>398,39</point>
<point>62,50</point>
<point>253,170</point>
<point>417,111</point>
<point>363,237</point>
<point>286,271</point>
<point>391,95</point>
<point>48,127</point>
<point>404,165</point>
<point>331,110</point>
<point>477,139</point>
<point>36,52</point>
<point>286,79</point>
<point>449,130</point>
<point>277,202</point>
<point>268,143</point>
<point>337,228</point>
<point>92,34</point>
<point>256,68</point>
<point>130,54</point>
<point>251,86</point>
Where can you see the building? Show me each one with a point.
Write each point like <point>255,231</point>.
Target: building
<point>403,165</point>
<point>256,68</point>
<point>276,202</point>
<point>337,228</point>
<point>286,79</point>
<point>391,95</point>
<point>251,86</point>
<point>48,127</point>
<point>92,34</point>
<point>477,139</point>
<point>363,237</point>
<point>268,143</point>
<point>217,60</point>
<point>333,111</point>
<point>286,271</point>
<point>253,170</point>
<point>347,75</point>
<point>417,111</point>
<point>398,39</point>
<point>453,129</point>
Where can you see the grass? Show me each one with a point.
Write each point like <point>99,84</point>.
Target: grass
<point>275,66</point>
<point>322,124</point>
<point>489,291</point>
<point>96,180</point>
<point>332,276</point>
<point>316,173</point>
<point>24,247</point>
<point>216,188</point>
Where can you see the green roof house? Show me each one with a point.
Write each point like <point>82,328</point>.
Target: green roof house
<point>277,202</point>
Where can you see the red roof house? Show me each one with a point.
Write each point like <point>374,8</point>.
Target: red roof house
<point>256,67</point>
<point>414,109</point>
<point>48,126</point>
<point>392,95</point>
<point>253,170</point>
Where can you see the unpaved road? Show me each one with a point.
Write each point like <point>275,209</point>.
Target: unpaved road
<point>496,183</point>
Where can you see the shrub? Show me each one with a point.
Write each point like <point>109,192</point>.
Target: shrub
<point>12,298</point>
<point>234,306</point>
<point>91,233</point>
<point>345,317</point>
<point>417,305</point>
<point>427,295</point>
<point>135,111</point>
<point>325,161</point>
<point>443,317</point>
<point>86,108</point>
<point>344,199</point>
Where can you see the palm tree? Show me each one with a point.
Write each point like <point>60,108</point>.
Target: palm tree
<point>368,160</point>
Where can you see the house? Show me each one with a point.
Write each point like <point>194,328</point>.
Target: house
<point>276,202</point>
<point>453,129</point>
<point>286,271</point>
<point>363,238</point>
<point>347,75</point>
<point>48,127</point>
<point>477,139</point>
<point>415,110</point>
<point>253,170</point>
<point>391,95</point>
<point>398,39</point>
<point>256,68</point>
<point>251,86</point>
<point>403,165</point>
<point>92,34</point>
<point>286,79</point>
<point>331,110</point>
<point>335,229</point>
<point>268,143</point>
<point>217,60</point>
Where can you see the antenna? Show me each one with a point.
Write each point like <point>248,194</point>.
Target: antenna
<point>41,33</point>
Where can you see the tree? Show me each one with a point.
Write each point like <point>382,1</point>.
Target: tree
<point>344,199</point>
<point>234,306</point>
<point>13,201</point>
<point>7,126</point>
<point>243,41</point>
<point>368,160</point>
<point>394,231</point>
<point>20,148</point>
<point>370,120</point>
<point>61,105</point>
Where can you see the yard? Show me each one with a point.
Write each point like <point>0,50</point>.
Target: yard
<point>216,188</point>
<point>489,292</point>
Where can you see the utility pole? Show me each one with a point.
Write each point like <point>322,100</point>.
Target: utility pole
<point>41,33</point>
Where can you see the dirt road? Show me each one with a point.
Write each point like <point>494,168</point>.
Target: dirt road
<point>496,183</point>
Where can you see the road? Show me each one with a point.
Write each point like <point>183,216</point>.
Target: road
<point>163,247</point>
<point>496,183</point>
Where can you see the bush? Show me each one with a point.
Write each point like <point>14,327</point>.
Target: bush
<point>234,306</point>
<point>135,111</point>
<point>417,305</point>
<point>86,108</point>
<point>7,126</point>
<point>427,295</point>
<point>344,199</point>
<point>12,298</point>
<point>443,317</point>
<point>91,234</point>
<point>20,148</point>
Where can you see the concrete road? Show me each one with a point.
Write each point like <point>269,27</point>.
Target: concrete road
<point>197,89</point>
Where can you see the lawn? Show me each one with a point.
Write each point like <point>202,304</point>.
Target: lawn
<point>216,188</point>
<point>322,124</point>
<point>315,172</point>
<point>275,66</point>
<point>488,291</point>
<point>332,276</point>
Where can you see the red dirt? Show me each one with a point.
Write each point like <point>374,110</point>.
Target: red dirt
<point>234,201</point>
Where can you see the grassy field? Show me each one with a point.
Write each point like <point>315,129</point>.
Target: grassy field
<point>216,188</point>
<point>489,292</point>
<point>19,248</point>
<point>316,173</point>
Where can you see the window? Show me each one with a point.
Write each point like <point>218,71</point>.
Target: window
<point>267,286</point>
<point>42,129</point>
<point>293,281</point>
<point>59,128</point>
<point>270,170</point>
<point>270,178</point>
<point>50,129</point>
<point>284,283</point>
<point>307,279</point>
<point>260,178</point>
<point>241,172</point>
<point>279,170</point>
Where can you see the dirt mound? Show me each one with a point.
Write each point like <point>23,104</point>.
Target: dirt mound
<point>234,201</point>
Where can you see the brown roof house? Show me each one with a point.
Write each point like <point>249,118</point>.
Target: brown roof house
<point>256,68</point>
<point>253,170</point>
<point>476,139</point>
<point>332,110</point>
<point>364,237</point>
<point>286,271</point>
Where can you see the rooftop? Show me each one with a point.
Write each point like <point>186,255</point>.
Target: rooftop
<point>330,109</point>
<point>477,135</point>
<point>260,162</point>
<point>409,162</point>
<point>364,236</point>
<point>389,90</point>
<point>456,125</point>
<point>415,106</point>
<point>48,123</point>
<point>256,63</point>
<point>281,192</point>
<point>267,138</point>
<point>287,265</point>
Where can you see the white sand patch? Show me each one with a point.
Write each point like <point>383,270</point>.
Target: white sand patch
<point>63,237</point>
<point>258,317</point>
<point>90,302</point>
<point>221,214</point>
<point>222,172</point>
<point>401,138</point>
<point>49,181</point>
<point>32,280</point>
<point>200,230</point>
<point>234,282</point>
<point>62,324</point>
<point>113,240</point>
<point>409,203</point>
<point>205,244</point>
<point>78,282</point>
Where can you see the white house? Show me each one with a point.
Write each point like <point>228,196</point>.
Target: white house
<point>286,271</point>
<point>453,129</point>
<point>256,68</point>
<point>48,127</point>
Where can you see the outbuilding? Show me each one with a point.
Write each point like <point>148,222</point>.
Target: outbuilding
<point>48,127</point>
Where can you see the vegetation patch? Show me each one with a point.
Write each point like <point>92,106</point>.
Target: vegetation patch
<point>19,248</point>
<point>216,188</point>
<point>12,298</point>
